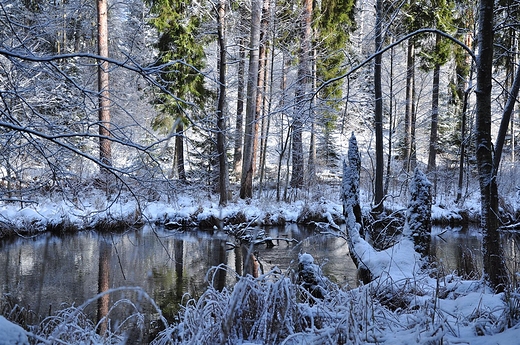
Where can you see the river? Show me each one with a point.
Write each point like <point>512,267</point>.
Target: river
<point>48,272</point>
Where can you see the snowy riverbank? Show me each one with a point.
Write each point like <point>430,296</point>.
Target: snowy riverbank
<point>185,211</point>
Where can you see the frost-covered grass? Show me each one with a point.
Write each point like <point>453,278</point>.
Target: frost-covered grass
<point>125,322</point>
<point>273,309</point>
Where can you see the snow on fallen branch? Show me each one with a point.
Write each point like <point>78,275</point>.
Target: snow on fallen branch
<point>245,234</point>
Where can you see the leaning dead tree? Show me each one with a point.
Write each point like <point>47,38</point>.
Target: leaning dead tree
<point>351,205</point>
<point>416,232</point>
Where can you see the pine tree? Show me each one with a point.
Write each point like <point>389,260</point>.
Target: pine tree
<point>460,87</point>
<point>433,59</point>
<point>410,23</point>
<point>105,145</point>
<point>332,24</point>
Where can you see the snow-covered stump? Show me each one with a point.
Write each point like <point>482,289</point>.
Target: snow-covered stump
<point>418,216</point>
<point>350,187</point>
<point>310,276</point>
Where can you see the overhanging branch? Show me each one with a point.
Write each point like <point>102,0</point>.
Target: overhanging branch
<point>390,46</point>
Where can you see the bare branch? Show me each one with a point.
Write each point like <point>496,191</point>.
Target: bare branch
<point>390,46</point>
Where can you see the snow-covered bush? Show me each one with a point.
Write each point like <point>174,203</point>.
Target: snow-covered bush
<point>310,276</point>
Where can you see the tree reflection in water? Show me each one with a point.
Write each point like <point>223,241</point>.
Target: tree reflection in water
<point>105,251</point>
<point>173,266</point>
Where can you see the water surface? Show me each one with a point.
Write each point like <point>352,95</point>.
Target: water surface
<point>49,272</point>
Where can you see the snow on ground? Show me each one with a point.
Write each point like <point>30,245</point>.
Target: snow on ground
<point>11,334</point>
<point>461,312</point>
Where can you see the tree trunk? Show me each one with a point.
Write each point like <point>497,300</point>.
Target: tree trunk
<point>514,63</point>
<point>311,163</point>
<point>267,119</point>
<point>237,156</point>
<point>297,176</point>
<point>105,145</point>
<point>283,142</point>
<point>506,119</point>
<point>462,145</point>
<point>297,153</point>
<point>495,272</point>
<point>513,142</point>
<point>262,87</point>
<point>413,118</point>
<point>246,181</point>
<point>391,121</point>
<point>264,134</point>
<point>463,88</point>
<point>432,155</point>
<point>179,152</point>
<point>407,139</point>
<point>378,116</point>
<point>221,116</point>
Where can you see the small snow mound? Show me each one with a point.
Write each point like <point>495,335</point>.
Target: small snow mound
<point>305,258</point>
<point>11,334</point>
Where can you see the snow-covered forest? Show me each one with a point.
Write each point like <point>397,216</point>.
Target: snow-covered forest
<point>367,121</point>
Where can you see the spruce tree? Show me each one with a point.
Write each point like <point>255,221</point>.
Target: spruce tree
<point>182,58</point>
<point>333,22</point>
<point>433,58</point>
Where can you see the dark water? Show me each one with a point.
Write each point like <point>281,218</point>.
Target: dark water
<point>47,273</point>
<point>459,251</point>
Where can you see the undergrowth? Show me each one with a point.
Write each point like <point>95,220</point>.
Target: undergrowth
<point>275,308</point>
<point>272,309</point>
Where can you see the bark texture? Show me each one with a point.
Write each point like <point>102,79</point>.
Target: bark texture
<point>105,145</point>
<point>495,272</point>
<point>246,181</point>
